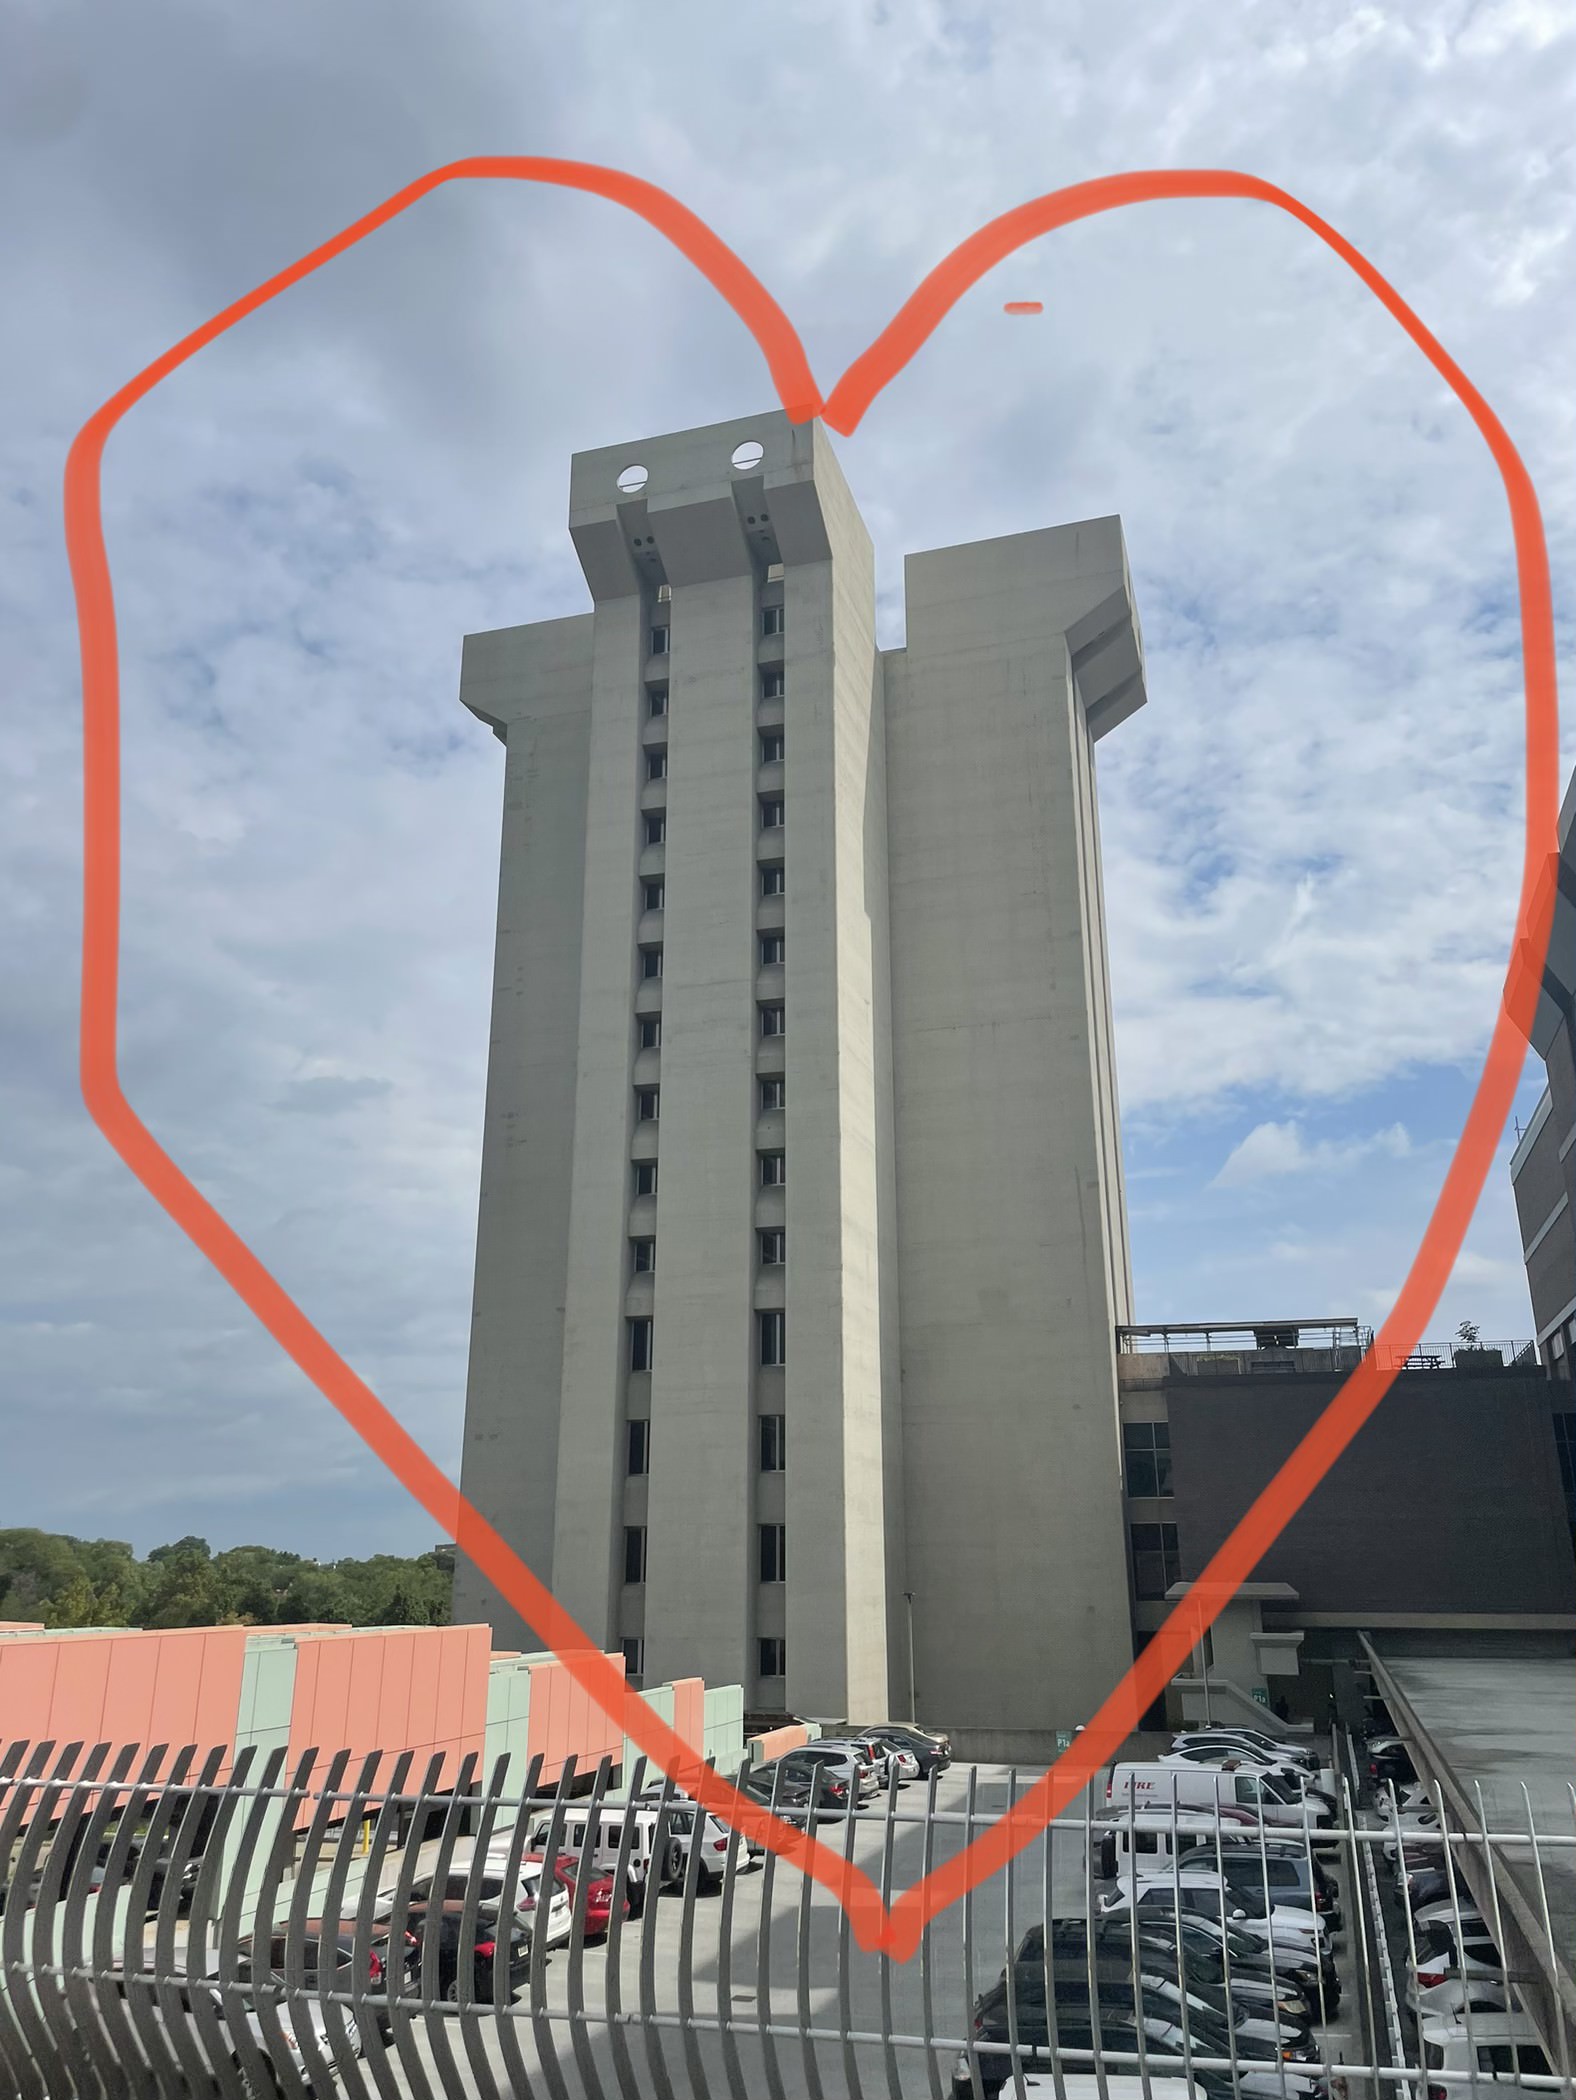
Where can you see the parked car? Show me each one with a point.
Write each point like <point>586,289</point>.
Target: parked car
<point>932,1752</point>
<point>1151,1836</point>
<point>499,1954</point>
<point>524,1897</point>
<point>897,1759</point>
<point>1460,1994</point>
<point>296,2022</point>
<point>1502,2048</point>
<point>1244,1958</point>
<point>1212,1895</point>
<point>1202,1961</point>
<point>1277,1749</point>
<point>1445,1911</point>
<point>599,1892</point>
<point>328,1955</point>
<point>871,1763</point>
<point>1388,1761</point>
<point>1444,1957</point>
<point>835,1761</point>
<point>1294,1779</point>
<point>1425,1885</point>
<point>787,1791</point>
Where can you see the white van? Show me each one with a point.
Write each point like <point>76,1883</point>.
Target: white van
<point>1499,2050</point>
<point>678,1836</point>
<point>1154,1836</point>
<point>1209,1789</point>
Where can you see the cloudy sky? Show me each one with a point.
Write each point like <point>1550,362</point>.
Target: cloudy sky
<point>1311,833</point>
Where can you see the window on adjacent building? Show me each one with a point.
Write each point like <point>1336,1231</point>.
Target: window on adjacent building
<point>637,1449</point>
<point>634,1552</point>
<point>773,1170</point>
<point>771,747</point>
<point>650,962</point>
<point>1156,1562</point>
<point>640,1343</point>
<point>773,1020</point>
<point>1146,1450</point>
<point>656,828</point>
<point>652,895</point>
<point>774,1248</point>
<point>773,1095</point>
<point>772,881</point>
<point>656,701</point>
<point>645,1177</point>
<point>648,1099</point>
<point>770,1328</point>
<point>642,1256</point>
<point>664,593</point>
<point>651,1031</point>
<point>774,1553</point>
<point>773,1656</point>
<point>771,812</point>
<point>659,641</point>
<point>634,1660</point>
<point>771,950</point>
<point>772,685</point>
<point>773,1443</point>
<point>771,619</point>
<point>656,765</point>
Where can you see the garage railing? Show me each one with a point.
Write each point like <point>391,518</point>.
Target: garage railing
<point>173,1927</point>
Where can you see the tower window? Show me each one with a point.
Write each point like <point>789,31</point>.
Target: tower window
<point>772,685</point>
<point>771,619</point>
<point>774,1248</point>
<point>653,895</point>
<point>773,1443</point>
<point>656,828</point>
<point>773,1020</point>
<point>634,1552</point>
<point>773,1169</point>
<point>771,812</point>
<point>640,1343</point>
<point>774,1552</point>
<point>770,1326</point>
<point>771,950</point>
<point>773,1095</point>
<point>642,1257</point>
<point>648,1099</point>
<point>773,1657</point>
<point>656,701</point>
<point>650,963</point>
<point>656,765</point>
<point>634,1660</point>
<point>651,1031</point>
<point>1146,1450</point>
<point>772,884</point>
<point>637,1450</point>
<point>659,641</point>
<point>645,1177</point>
<point>771,747</point>
<point>1156,1561</point>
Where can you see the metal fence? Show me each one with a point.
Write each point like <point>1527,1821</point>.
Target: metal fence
<point>167,1930</point>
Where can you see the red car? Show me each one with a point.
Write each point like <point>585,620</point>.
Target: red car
<point>599,1893</point>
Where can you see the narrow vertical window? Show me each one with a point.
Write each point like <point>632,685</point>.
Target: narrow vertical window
<point>640,1344</point>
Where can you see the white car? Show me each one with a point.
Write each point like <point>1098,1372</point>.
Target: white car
<point>525,1898</point>
<point>1235,1740</point>
<point>1444,1913</point>
<point>1298,1932</point>
<point>1457,1994</point>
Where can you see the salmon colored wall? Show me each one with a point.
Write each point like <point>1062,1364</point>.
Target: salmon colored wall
<point>689,1711</point>
<point>563,1719</point>
<point>777,1742</point>
<point>421,1688</point>
<point>177,1687</point>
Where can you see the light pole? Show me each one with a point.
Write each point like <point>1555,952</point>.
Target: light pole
<point>913,1697</point>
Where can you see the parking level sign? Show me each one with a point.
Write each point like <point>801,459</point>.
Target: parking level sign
<point>1261,1693</point>
<point>1064,1740</point>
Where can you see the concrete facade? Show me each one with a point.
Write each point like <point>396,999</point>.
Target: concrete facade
<point>923,841</point>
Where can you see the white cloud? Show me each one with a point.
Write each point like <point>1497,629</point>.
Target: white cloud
<point>1272,1149</point>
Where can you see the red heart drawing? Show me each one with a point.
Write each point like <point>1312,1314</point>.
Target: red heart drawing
<point>896,1930</point>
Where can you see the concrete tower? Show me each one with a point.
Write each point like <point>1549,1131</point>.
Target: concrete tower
<point>802,1238</point>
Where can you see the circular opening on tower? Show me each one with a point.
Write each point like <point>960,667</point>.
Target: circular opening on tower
<point>748,455</point>
<point>632,481</point>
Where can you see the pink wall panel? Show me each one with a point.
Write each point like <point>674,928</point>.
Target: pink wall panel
<point>76,1706</point>
<point>398,1662</point>
<point>367,1723</point>
<point>689,1711</point>
<point>778,1741</point>
<point>27,1683</point>
<point>130,1686</point>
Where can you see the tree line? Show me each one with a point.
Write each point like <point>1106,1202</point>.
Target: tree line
<point>58,1580</point>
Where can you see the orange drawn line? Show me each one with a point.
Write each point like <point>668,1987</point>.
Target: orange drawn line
<point>1024,306</point>
<point>897,1930</point>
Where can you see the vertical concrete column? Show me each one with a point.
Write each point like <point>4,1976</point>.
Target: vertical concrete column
<point>700,1545</point>
<point>843,1523</point>
<point>586,1549</point>
<point>533,685</point>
